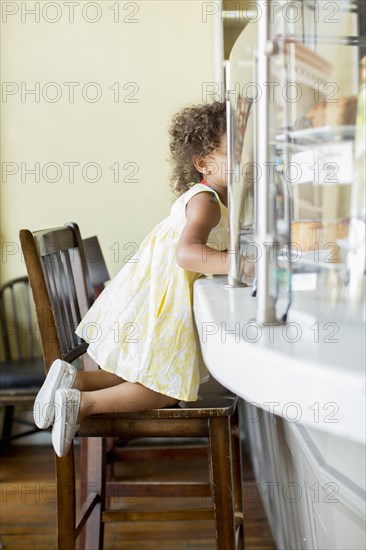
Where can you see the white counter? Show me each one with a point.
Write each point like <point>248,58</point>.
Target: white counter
<point>303,386</point>
<point>310,371</point>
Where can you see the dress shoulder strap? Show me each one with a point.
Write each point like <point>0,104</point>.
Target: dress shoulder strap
<point>178,209</point>
<point>198,188</point>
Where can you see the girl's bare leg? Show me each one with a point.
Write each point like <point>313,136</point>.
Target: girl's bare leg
<point>125,397</point>
<point>96,380</point>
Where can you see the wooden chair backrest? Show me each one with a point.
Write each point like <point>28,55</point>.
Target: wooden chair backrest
<point>97,267</point>
<point>61,287</point>
<point>17,322</point>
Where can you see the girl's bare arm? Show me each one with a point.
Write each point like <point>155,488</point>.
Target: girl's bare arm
<point>203,214</point>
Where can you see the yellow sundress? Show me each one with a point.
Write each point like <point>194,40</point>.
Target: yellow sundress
<point>142,327</point>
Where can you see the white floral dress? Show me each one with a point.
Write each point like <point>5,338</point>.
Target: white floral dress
<point>142,327</point>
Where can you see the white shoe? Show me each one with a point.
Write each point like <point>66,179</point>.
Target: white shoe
<point>60,375</point>
<point>67,404</point>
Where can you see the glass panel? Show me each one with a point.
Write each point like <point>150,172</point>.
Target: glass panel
<point>243,92</point>
<point>313,53</point>
<point>314,75</point>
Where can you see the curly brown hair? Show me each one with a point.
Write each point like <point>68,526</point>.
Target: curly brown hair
<point>194,131</point>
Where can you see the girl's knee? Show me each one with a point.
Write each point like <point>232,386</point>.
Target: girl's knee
<point>169,401</point>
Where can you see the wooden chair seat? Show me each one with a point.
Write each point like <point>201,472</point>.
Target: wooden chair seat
<point>62,294</point>
<point>21,374</point>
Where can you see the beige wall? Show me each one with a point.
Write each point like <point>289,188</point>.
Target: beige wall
<point>166,56</point>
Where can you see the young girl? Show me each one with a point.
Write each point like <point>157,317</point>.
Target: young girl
<point>141,329</point>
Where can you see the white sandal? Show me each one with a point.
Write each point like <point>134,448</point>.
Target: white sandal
<point>60,375</point>
<point>67,404</point>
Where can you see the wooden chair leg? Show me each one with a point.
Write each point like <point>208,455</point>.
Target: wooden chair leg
<point>66,501</point>
<point>238,486</point>
<point>92,480</point>
<point>221,477</point>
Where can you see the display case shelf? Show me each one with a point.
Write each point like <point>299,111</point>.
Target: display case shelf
<point>316,136</point>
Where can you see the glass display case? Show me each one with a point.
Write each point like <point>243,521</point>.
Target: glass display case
<point>293,90</point>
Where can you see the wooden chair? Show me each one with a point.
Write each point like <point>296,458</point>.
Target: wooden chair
<point>21,365</point>
<point>62,291</point>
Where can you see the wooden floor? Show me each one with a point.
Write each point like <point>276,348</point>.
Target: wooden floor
<point>28,509</point>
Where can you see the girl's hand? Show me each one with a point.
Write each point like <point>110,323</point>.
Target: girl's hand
<point>247,267</point>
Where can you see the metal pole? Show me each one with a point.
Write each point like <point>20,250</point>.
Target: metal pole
<point>232,194</point>
<point>265,233</point>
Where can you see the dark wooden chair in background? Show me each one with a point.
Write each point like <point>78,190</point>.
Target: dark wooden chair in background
<point>97,267</point>
<point>21,366</point>
<point>62,290</point>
